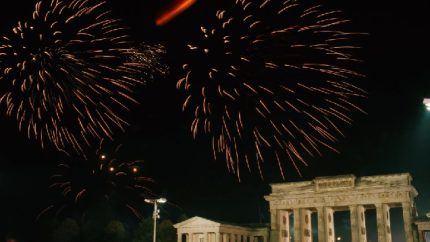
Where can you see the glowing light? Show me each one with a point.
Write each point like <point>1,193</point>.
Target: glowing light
<point>159,200</point>
<point>135,170</point>
<point>102,157</point>
<point>111,169</point>
<point>339,238</point>
<point>427,103</point>
<point>172,12</point>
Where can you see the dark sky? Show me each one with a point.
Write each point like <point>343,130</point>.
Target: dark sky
<point>393,137</point>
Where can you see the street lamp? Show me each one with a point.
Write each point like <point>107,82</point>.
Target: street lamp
<point>427,103</point>
<point>155,214</point>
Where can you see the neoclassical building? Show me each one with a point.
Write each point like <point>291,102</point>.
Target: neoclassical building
<point>197,229</point>
<point>423,228</point>
<point>327,195</point>
<point>293,203</point>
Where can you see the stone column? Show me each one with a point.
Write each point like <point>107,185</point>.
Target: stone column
<point>275,225</point>
<point>358,224</point>
<point>407,221</point>
<point>321,225</point>
<point>421,236</point>
<point>302,225</point>
<point>218,237</point>
<point>306,221</point>
<point>210,237</point>
<point>383,222</point>
<point>179,237</point>
<point>284,222</point>
<point>325,224</point>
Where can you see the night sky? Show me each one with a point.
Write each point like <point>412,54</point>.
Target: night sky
<point>394,137</point>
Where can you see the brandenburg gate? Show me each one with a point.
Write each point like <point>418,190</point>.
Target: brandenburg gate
<point>326,195</point>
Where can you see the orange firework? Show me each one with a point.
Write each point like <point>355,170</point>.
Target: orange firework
<point>173,10</point>
<point>103,178</point>
<point>68,74</point>
<point>271,80</point>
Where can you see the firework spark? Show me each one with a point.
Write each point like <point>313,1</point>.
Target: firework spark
<point>67,75</point>
<point>151,57</point>
<point>102,178</point>
<point>270,80</point>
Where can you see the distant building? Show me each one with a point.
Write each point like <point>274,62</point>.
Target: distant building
<point>423,229</point>
<point>292,205</point>
<point>199,229</point>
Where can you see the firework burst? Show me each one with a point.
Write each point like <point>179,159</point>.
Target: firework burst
<point>102,178</point>
<point>67,74</point>
<point>270,79</point>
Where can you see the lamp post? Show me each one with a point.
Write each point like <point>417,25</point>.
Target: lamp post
<point>155,214</point>
<point>427,103</point>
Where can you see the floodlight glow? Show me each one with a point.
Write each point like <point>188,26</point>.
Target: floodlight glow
<point>427,103</point>
<point>159,200</point>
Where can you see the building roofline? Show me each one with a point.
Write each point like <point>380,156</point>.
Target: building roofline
<point>223,223</point>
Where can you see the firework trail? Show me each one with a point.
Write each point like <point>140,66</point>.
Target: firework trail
<point>67,74</point>
<point>102,178</point>
<point>270,80</point>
